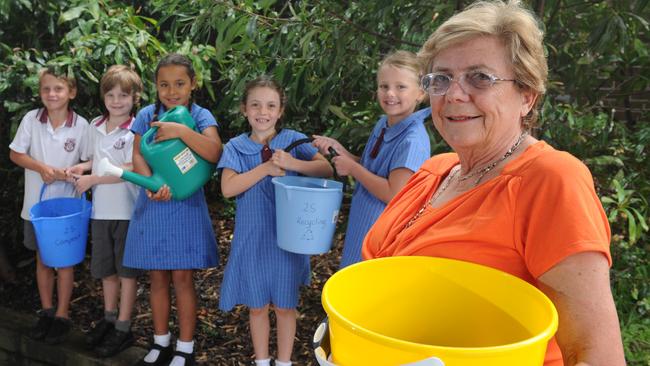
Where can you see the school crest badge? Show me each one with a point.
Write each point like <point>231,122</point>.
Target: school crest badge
<point>119,144</point>
<point>70,144</point>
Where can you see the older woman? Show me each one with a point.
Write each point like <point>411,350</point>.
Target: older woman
<point>505,199</point>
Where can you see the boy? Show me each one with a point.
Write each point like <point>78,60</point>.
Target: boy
<point>48,140</point>
<point>109,136</point>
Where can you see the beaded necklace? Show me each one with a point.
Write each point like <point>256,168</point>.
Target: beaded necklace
<point>455,170</point>
<point>483,171</point>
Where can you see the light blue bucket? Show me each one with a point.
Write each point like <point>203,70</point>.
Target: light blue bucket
<point>61,228</point>
<point>306,211</point>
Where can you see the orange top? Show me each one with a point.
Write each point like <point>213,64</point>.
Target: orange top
<point>541,209</point>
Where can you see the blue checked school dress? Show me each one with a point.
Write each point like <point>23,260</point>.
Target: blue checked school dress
<point>403,145</point>
<point>168,235</point>
<point>258,272</point>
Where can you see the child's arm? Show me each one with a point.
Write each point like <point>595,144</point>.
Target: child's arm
<point>48,174</point>
<point>83,183</point>
<point>382,188</point>
<point>323,144</point>
<point>233,183</point>
<point>207,143</point>
<point>317,167</point>
<point>141,167</point>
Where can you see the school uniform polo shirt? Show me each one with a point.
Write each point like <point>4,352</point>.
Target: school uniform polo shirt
<point>58,148</point>
<point>112,201</point>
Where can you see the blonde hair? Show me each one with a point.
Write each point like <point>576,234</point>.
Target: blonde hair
<point>124,77</point>
<point>518,29</point>
<point>403,60</point>
<point>59,73</point>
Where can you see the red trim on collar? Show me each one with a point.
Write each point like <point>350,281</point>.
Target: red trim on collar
<point>70,121</point>
<point>124,125</point>
<point>101,120</point>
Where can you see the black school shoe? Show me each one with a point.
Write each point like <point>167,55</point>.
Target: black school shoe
<point>96,335</point>
<point>164,357</point>
<point>189,357</point>
<point>43,325</point>
<point>115,342</point>
<point>58,331</point>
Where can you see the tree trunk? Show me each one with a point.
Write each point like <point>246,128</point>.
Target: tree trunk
<point>539,8</point>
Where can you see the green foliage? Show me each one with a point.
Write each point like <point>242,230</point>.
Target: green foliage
<point>597,49</point>
<point>324,53</point>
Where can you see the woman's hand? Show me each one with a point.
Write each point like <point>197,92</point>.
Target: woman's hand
<point>344,165</point>
<point>163,194</point>
<point>169,130</point>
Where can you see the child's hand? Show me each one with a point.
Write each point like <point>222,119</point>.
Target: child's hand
<point>73,173</point>
<point>323,143</point>
<point>283,159</point>
<point>59,174</point>
<point>163,194</point>
<point>84,182</point>
<point>50,174</point>
<point>74,170</point>
<point>344,165</point>
<point>273,170</point>
<point>169,130</point>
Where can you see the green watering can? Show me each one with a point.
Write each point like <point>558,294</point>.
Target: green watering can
<point>172,162</point>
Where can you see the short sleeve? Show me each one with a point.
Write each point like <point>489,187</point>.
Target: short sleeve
<point>129,150</point>
<point>204,119</point>
<point>558,213</point>
<point>89,147</point>
<point>409,153</point>
<point>230,159</point>
<point>22,141</point>
<point>142,120</point>
<point>84,149</point>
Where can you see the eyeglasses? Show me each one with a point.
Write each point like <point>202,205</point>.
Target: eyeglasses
<point>267,153</point>
<point>438,84</point>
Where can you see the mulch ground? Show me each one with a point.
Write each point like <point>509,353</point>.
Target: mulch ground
<point>221,338</point>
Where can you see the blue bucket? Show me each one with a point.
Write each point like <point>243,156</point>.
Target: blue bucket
<point>306,211</point>
<point>61,228</point>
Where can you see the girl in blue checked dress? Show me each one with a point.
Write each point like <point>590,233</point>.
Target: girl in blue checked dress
<point>172,238</point>
<point>398,145</point>
<point>260,274</point>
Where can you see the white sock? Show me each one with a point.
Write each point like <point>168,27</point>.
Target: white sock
<point>161,340</point>
<point>280,363</point>
<point>185,347</point>
<point>265,362</point>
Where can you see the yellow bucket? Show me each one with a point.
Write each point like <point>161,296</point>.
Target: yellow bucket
<point>398,310</point>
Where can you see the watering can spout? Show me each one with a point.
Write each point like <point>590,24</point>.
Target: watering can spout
<point>105,168</point>
<point>172,162</point>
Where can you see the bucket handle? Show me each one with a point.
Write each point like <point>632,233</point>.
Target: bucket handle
<point>297,143</point>
<point>321,344</point>
<point>322,348</point>
<point>148,136</point>
<point>83,204</point>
